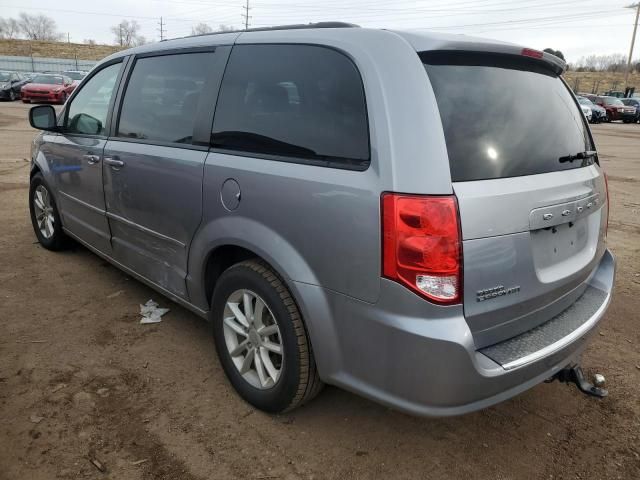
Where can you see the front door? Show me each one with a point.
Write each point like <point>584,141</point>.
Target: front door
<point>76,159</point>
<point>153,169</point>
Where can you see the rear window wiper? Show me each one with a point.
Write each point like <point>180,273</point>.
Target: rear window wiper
<point>579,156</point>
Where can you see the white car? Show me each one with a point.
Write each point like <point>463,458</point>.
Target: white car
<point>587,111</point>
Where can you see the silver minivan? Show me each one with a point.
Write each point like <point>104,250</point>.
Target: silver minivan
<point>372,209</point>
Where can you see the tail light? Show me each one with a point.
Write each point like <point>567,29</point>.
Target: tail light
<point>421,245</point>
<point>530,52</point>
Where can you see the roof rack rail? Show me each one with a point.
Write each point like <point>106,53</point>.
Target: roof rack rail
<point>300,26</point>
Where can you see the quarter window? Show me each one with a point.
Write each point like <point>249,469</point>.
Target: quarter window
<point>89,108</point>
<point>162,97</point>
<point>293,101</point>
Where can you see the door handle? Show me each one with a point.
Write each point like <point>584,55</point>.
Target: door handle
<point>114,162</point>
<point>91,159</point>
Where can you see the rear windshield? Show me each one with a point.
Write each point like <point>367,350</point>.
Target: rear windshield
<point>612,101</point>
<point>75,75</point>
<point>504,115</point>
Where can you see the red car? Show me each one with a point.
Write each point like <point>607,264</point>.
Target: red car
<point>47,88</point>
<point>616,110</point>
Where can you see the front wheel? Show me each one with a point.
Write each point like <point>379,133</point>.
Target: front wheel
<point>44,215</point>
<point>261,339</point>
<point>12,95</point>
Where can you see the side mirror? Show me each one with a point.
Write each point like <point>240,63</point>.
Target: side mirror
<point>43,117</point>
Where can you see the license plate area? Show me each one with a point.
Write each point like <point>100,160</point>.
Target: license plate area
<point>555,244</point>
<point>562,250</point>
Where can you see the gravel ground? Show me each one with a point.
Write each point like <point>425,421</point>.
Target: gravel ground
<point>81,380</point>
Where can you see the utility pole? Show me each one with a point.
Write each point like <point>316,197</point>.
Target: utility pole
<point>162,29</point>
<point>68,37</point>
<point>246,16</point>
<point>633,40</point>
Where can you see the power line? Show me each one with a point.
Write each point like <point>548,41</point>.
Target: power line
<point>162,29</point>
<point>633,40</point>
<point>246,16</point>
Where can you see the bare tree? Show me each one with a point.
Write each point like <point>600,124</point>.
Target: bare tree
<point>201,29</point>
<point>126,33</point>
<point>9,28</point>
<point>38,27</point>
<point>89,41</point>
<point>225,28</point>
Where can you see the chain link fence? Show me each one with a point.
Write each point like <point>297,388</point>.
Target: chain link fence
<point>41,64</point>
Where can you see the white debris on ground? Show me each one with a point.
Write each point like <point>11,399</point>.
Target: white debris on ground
<point>151,313</point>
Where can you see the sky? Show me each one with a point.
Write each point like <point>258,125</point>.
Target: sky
<point>576,27</point>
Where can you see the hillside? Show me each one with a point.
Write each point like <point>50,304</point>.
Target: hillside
<point>598,82</point>
<point>56,49</point>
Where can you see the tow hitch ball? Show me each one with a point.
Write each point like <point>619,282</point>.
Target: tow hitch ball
<point>575,375</point>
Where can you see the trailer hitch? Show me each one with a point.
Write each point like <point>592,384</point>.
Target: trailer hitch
<point>574,374</point>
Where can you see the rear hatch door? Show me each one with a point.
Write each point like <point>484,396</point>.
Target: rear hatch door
<point>531,194</point>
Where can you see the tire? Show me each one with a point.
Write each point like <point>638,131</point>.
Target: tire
<point>297,381</point>
<point>26,100</point>
<point>63,98</point>
<point>12,95</point>
<point>53,237</point>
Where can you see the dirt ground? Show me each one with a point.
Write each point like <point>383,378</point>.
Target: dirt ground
<point>82,380</point>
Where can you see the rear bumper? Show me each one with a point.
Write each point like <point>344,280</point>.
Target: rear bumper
<point>421,359</point>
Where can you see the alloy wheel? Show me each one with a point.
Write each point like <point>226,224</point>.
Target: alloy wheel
<point>253,339</point>
<point>43,209</point>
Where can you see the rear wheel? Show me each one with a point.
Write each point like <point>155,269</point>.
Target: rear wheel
<point>261,339</point>
<point>44,215</point>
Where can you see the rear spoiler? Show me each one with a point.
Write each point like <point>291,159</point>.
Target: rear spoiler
<point>524,56</point>
<point>425,43</point>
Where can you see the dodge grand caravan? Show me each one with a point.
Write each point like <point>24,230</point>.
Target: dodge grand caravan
<point>371,209</point>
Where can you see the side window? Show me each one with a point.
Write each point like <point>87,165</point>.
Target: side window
<point>88,110</point>
<point>295,101</point>
<point>162,97</point>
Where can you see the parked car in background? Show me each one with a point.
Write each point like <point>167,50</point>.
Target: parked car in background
<point>10,85</point>
<point>586,111</point>
<point>75,75</point>
<point>616,110</point>
<point>598,114</point>
<point>47,88</point>
<point>386,171</point>
<point>633,102</point>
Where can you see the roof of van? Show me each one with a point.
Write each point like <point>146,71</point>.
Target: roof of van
<point>419,39</point>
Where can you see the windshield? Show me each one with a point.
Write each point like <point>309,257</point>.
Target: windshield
<point>490,132</point>
<point>612,101</point>
<point>74,75</point>
<point>48,79</point>
<point>4,77</point>
<point>585,101</point>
